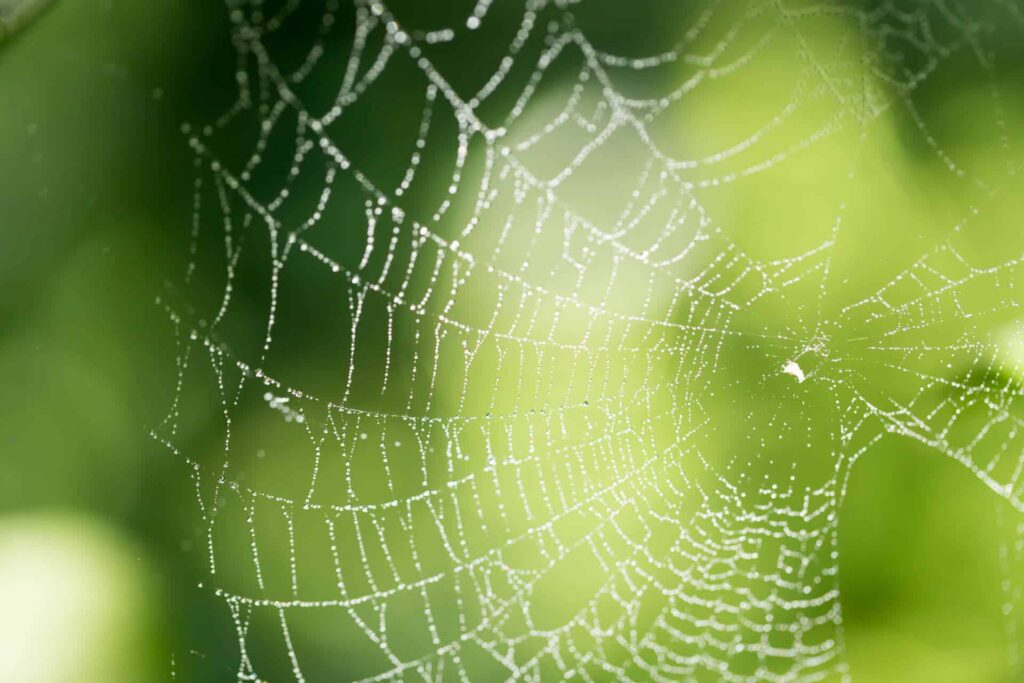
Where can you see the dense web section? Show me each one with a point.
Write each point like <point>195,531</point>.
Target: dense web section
<point>508,389</point>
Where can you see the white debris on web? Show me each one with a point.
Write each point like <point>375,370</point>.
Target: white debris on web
<point>793,368</point>
<point>508,469</point>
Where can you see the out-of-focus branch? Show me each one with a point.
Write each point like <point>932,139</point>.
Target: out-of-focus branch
<point>16,14</point>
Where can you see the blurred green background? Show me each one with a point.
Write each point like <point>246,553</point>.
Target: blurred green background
<point>98,533</point>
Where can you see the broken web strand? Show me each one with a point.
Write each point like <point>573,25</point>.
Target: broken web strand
<point>806,663</point>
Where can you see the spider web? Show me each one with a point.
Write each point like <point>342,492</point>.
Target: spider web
<point>544,403</point>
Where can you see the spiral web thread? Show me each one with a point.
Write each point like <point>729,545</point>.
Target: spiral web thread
<point>527,389</point>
